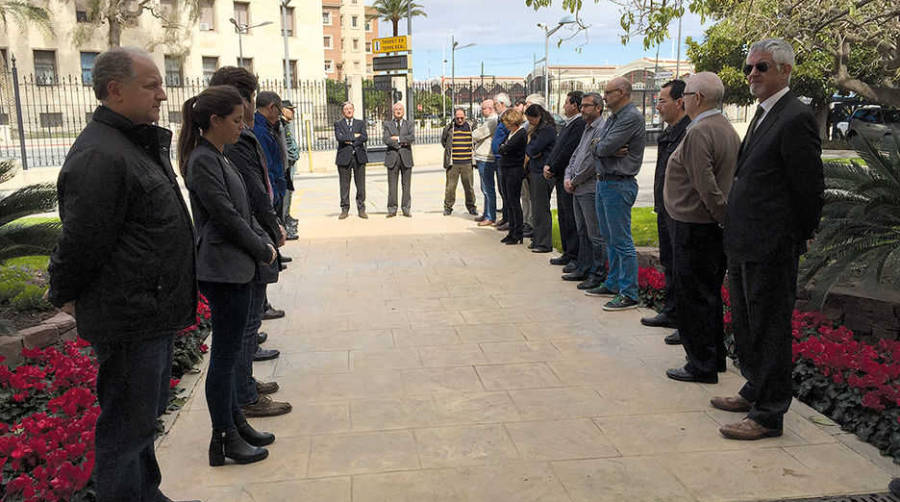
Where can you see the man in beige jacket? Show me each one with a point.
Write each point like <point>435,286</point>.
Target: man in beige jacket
<point>484,160</point>
<point>698,177</point>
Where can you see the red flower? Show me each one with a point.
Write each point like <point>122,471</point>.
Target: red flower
<point>173,382</point>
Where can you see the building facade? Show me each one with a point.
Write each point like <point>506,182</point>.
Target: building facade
<point>348,30</point>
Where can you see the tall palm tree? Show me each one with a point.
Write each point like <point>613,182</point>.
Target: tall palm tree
<point>24,12</point>
<point>395,10</point>
<point>26,240</point>
<point>860,229</point>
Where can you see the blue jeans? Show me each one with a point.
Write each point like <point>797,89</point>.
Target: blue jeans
<point>129,391</point>
<point>486,172</point>
<point>614,202</point>
<point>230,306</point>
<point>245,383</point>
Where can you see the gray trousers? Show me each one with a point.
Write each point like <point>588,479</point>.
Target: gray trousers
<point>358,172</point>
<point>526,203</point>
<point>454,174</point>
<point>286,206</point>
<point>393,175</point>
<point>591,248</point>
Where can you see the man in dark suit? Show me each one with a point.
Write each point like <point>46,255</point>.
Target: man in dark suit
<point>351,159</point>
<point>555,169</point>
<point>774,206</point>
<point>399,137</point>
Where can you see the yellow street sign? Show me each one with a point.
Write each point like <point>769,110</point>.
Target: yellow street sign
<point>390,44</point>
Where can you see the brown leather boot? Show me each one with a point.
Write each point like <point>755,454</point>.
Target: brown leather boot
<point>748,430</point>
<point>266,387</point>
<point>265,407</point>
<point>731,403</point>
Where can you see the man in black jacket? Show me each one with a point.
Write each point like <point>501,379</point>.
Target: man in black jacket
<point>124,266</point>
<point>351,158</point>
<point>774,206</point>
<point>555,169</point>
<point>670,106</point>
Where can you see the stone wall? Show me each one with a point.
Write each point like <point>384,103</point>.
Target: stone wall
<point>60,327</point>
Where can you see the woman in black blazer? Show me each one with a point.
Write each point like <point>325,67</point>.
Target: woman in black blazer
<point>512,166</point>
<point>541,138</point>
<point>229,250</point>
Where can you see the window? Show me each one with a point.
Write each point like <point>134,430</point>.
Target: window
<point>3,62</point>
<point>247,64</point>
<point>87,67</point>
<point>51,119</point>
<point>175,116</point>
<point>354,21</point>
<point>45,67</point>
<point>242,13</point>
<point>326,18</point>
<point>356,65</point>
<point>329,66</point>
<point>368,47</point>
<point>174,76</point>
<point>368,67</point>
<point>167,7</point>
<point>82,12</point>
<point>207,17</point>
<point>210,65</point>
<point>368,25</point>
<point>327,42</point>
<point>292,65</point>
<point>287,22</point>
<point>356,44</point>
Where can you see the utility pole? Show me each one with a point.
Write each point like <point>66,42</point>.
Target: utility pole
<point>678,56</point>
<point>410,98</point>
<point>287,57</point>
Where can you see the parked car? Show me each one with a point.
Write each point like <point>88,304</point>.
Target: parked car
<point>875,124</point>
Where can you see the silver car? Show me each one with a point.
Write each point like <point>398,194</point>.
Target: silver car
<point>881,126</point>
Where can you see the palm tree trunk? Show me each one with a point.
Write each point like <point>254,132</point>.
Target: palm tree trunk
<point>115,32</point>
<point>396,22</point>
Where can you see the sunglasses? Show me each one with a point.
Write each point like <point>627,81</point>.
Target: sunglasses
<point>760,67</point>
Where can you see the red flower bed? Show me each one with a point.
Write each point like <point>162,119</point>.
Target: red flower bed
<point>855,383</point>
<point>48,410</point>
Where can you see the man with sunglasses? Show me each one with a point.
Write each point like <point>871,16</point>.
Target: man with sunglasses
<point>774,207</point>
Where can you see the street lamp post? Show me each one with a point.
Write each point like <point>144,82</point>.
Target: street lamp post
<point>548,32</point>
<point>454,46</point>
<point>242,29</point>
<point>287,57</point>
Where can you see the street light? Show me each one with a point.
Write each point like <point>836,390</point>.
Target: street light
<point>287,60</point>
<point>242,29</point>
<point>454,46</point>
<point>548,32</point>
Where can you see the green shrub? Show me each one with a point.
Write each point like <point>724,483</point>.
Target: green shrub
<point>30,298</point>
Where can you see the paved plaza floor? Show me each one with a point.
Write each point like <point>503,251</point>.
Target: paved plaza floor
<point>427,362</point>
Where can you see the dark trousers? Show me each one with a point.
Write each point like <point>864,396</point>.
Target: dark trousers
<point>699,261</point>
<point>245,385</point>
<point>358,172</point>
<point>542,219</point>
<point>393,175</point>
<point>230,306</point>
<point>762,302</point>
<point>591,248</point>
<point>501,189</point>
<point>512,178</point>
<point>565,214</point>
<point>129,392</point>
<point>663,226</point>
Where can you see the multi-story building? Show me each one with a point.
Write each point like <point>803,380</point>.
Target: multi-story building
<point>181,47</point>
<point>348,29</point>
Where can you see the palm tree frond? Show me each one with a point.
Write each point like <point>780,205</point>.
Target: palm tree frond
<point>26,201</point>
<point>28,240</point>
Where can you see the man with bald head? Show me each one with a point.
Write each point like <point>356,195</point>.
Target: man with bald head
<point>485,162</point>
<point>697,180</point>
<point>398,135</point>
<point>618,153</point>
<point>124,266</point>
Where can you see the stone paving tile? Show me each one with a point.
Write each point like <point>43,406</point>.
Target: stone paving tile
<point>379,360</point>
<point>474,407</point>
<point>395,413</point>
<point>848,473</point>
<point>289,364</point>
<point>517,376</point>
<point>452,355</point>
<point>489,332</point>
<point>341,454</point>
<point>425,337</point>
<point>427,380</point>
<point>464,445</point>
<point>305,418</point>
<point>667,433</point>
<point>519,352</point>
<point>558,403</point>
<point>560,440</point>
<point>619,479</point>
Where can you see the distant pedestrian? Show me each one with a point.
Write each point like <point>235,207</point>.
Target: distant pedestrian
<point>292,152</point>
<point>351,159</point>
<point>458,157</point>
<point>399,135</point>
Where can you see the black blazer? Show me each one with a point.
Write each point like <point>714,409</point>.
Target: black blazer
<point>566,143</point>
<point>228,245</point>
<point>512,151</point>
<point>539,147</point>
<point>398,150</point>
<point>349,144</point>
<point>776,198</point>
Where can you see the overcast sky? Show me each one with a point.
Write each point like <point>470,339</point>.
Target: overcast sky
<point>507,37</point>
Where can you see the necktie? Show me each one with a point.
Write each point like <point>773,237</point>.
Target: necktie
<point>753,123</point>
<point>398,125</point>
<point>349,123</point>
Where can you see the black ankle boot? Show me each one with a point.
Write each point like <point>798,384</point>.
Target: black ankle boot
<point>253,436</point>
<point>229,444</point>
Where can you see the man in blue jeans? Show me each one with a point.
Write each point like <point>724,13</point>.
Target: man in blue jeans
<point>484,160</point>
<point>618,154</point>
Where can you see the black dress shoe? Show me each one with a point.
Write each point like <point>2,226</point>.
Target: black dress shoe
<point>479,219</point>
<point>570,267</point>
<point>530,244</point>
<point>407,214</point>
<point>660,320</point>
<point>560,260</point>
<point>261,337</point>
<point>473,211</point>
<point>272,313</point>
<point>512,242</point>
<point>503,227</point>
<point>506,239</point>
<point>538,249</point>
<point>447,212</point>
<point>501,222</point>
<point>265,354</point>
<point>673,339</point>
<point>683,375</point>
<point>390,215</point>
<point>528,233</point>
<point>362,214</point>
<point>590,283</point>
<point>574,276</point>
<point>286,259</point>
<point>282,266</point>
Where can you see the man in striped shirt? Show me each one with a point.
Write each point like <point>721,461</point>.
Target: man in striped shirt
<point>457,142</point>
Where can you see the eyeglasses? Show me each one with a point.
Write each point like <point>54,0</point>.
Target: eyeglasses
<point>585,105</point>
<point>761,67</point>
